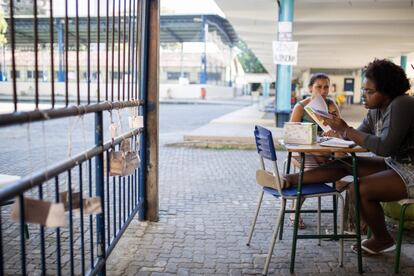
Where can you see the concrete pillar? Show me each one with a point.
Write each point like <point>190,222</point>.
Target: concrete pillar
<point>61,73</point>
<point>3,65</point>
<point>284,72</point>
<point>204,31</point>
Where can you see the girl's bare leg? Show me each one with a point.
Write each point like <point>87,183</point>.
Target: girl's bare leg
<point>379,187</point>
<point>336,170</point>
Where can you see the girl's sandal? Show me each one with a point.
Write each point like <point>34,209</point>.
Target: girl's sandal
<point>302,225</point>
<point>367,251</point>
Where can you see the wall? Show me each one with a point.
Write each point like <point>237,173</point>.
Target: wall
<point>339,81</point>
<point>193,91</point>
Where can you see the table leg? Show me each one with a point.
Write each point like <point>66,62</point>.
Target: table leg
<point>335,213</point>
<point>297,212</point>
<point>357,207</point>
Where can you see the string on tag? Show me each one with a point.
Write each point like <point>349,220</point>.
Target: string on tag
<point>45,154</point>
<point>29,149</point>
<point>69,154</point>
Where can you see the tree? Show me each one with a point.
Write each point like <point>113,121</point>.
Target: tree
<point>3,29</point>
<point>248,60</point>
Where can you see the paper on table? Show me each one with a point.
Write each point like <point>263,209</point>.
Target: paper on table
<point>40,212</point>
<point>340,143</point>
<point>317,104</point>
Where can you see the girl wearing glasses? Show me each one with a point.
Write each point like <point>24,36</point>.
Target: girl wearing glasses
<point>388,132</point>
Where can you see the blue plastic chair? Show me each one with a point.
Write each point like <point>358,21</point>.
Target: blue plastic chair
<point>271,184</point>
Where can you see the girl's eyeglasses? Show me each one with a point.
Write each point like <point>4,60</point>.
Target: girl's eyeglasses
<point>368,91</point>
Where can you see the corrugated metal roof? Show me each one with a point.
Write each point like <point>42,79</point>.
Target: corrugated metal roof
<point>173,28</point>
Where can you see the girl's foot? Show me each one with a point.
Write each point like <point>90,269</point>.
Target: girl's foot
<point>375,247</point>
<point>286,181</point>
<point>302,225</point>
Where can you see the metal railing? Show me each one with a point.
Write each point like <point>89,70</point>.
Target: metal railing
<point>83,246</point>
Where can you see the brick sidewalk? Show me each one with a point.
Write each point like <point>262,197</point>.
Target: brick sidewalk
<point>207,201</point>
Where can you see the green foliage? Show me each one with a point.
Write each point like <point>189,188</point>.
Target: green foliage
<point>248,60</point>
<point>3,29</point>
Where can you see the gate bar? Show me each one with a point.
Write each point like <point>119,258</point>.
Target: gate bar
<point>40,115</point>
<point>39,177</point>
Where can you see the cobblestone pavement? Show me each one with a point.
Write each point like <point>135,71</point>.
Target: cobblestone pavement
<point>25,149</point>
<point>207,201</point>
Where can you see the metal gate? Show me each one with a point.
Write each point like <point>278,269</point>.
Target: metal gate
<point>88,58</point>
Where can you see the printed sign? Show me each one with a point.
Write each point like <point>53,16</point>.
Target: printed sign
<point>285,52</point>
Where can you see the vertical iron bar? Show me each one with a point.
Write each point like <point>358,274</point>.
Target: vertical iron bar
<point>1,247</point>
<point>106,50</point>
<point>81,219</point>
<point>138,46</point>
<point>88,79</point>
<point>66,53</point>
<point>58,258</point>
<point>119,50</point>
<point>98,62</point>
<point>120,202</point>
<point>114,199</point>
<point>77,50</point>
<point>136,176</point>
<point>129,50</point>
<point>129,194</point>
<point>72,265</point>
<point>100,190</point>
<point>123,200</point>
<point>123,53</point>
<point>52,64</point>
<point>113,50</point>
<point>108,200</point>
<point>12,42</point>
<point>42,237</point>
<point>143,96</point>
<point>132,71</point>
<point>133,177</point>
<point>90,216</point>
<point>132,192</point>
<point>35,41</point>
<point>22,235</point>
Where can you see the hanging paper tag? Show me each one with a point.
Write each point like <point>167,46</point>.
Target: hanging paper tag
<point>113,130</point>
<point>91,205</point>
<point>64,198</point>
<point>135,122</point>
<point>132,162</point>
<point>125,146</point>
<point>40,212</point>
<point>116,163</point>
<point>123,163</point>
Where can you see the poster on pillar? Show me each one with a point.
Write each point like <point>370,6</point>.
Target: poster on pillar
<point>285,52</point>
